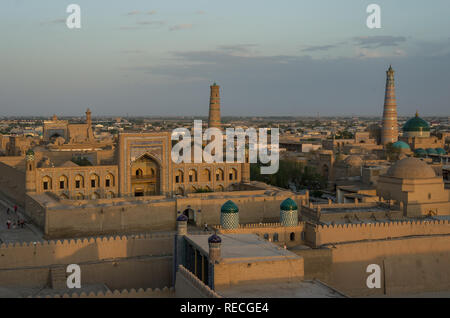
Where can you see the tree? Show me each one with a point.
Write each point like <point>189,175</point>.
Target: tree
<point>290,173</point>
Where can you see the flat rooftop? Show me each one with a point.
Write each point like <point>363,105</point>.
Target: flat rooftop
<point>303,289</point>
<point>242,248</point>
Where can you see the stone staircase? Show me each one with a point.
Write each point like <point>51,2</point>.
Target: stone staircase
<point>58,277</point>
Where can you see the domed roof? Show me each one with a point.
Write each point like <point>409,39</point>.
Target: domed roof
<point>182,217</point>
<point>411,168</point>
<point>400,145</point>
<point>421,151</point>
<point>288,205</point>
<point>214,239</point>
<point>354,160</point>
<point>441,151</point>
<point>229,207</point>
<point>416,124</point>
<point>431,151</point>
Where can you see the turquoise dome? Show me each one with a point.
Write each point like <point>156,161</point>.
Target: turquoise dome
<point>420,151</point>
<point>441,151</point>
<point>288,205</point>
<point>229,207</point>
<point>431,151</point>
<point>416,124</point>
<point>401,145</point>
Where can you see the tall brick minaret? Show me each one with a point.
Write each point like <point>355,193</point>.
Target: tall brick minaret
<point>90,133</point>
<point>389,129</point>
<point>214,107</point>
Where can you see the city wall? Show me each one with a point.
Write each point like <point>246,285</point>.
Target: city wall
<point>141,216</point>
<point>125,293</point>
<point>254,206</point>
<point>121,215</point>
<point>409,265</point>
<point>318,235</point>
<point>137,272</point>
<point>228,274</point>
<point>120,262</point>
<point>12,180</point>
<point>273,232</point>
<point>37,254</point>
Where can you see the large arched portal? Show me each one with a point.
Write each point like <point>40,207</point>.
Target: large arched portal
<point>145,176</point>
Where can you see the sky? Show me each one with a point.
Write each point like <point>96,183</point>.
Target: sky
<point>271,58</point>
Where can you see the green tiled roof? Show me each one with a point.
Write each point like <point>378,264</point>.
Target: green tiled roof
<point>229,207</point>
<point>416,124</point>
<point>288,205</point>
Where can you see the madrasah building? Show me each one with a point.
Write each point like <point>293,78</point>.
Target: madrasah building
<point>128,183</point>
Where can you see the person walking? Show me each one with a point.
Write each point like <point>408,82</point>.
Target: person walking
<point>15,208</point>
<point>8,224</point>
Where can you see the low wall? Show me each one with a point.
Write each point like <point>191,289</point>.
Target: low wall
<point>189,286</point>
<point>12,183</point>
<point>409,265</point>
<point>156,214</point>
<point>326,234</point>
<point>125,293</point>
<point>29,254</point>
<point>227,274</point>
<point>136,272</point>
<point>252,208</point>
<point>292,235</point>
<point>72,221</point>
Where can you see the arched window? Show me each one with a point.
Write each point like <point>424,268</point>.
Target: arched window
<point>109,180</point>
<point>46,183</point>
<point>63,182</point>
<point>233,174</point>
<point>79,181</point>
<point>275,237</point>
<point>266,236</point>
<point>219,175</point>
<point>179,191</point>
<point>95,180</point>
<point>292,236</point>
<point>110,195</point>
<point>206,175</point>
<point>179,177</point>
<point>139,172</point>
<point>192,175</point>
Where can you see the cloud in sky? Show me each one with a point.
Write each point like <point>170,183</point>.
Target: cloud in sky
<point>378,41</point>
<point>309,85</point>
<point>319,48</point>
<point>181,27</point>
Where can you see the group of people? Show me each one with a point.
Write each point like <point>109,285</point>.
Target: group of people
<point>17,222</point>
